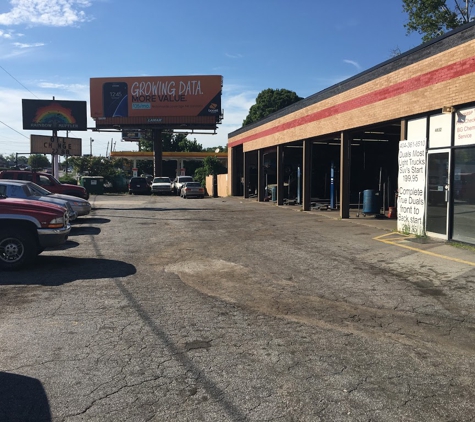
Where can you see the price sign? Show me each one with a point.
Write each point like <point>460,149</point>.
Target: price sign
<point>411,182</point>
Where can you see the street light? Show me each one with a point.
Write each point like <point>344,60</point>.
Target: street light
<point>90,143</point>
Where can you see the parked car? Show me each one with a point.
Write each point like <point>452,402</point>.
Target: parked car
<point>20,189</point>
<point>27,228</point>
<point>192,190</point>
<point>139,185</point>
<point>47,181</point>
<point>149,177</point>
<point>178,182</point>
<point>79,205</point>
<point>162,185</point>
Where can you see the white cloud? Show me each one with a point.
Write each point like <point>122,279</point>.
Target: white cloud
<point>23,45</point>
<point>45,12</point>
<point>353,63</point>
<point>77,88</point>
<point>6,35</point>
<point>236,102</point>
<point>234,56</point>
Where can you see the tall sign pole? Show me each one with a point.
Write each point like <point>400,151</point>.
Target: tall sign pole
<point>55,156</point>
<point>157,152</point>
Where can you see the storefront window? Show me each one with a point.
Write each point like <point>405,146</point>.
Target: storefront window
<point>464,195</point>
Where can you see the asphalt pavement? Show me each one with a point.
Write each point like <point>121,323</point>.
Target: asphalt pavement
<point>226,309</point>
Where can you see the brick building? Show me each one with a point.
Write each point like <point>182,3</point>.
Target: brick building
<point>402,132</point>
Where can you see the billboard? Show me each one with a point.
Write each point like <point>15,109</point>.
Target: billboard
<point>55,145</point>
<point>131,135</point>
<point>54,115</point>
<point>156,100</point>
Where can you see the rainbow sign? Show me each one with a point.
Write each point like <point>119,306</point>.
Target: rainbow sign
<point>54,115</point>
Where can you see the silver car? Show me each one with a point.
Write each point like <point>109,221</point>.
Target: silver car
<point>79,205</point>
<point>19,189</point>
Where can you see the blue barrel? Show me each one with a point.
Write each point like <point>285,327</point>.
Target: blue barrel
<point>371,201</point>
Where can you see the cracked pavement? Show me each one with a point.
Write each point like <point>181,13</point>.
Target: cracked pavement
<point>225,309</point>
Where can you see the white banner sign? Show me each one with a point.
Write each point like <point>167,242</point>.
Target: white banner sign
<point>411,182</point>
<point>465,127</point>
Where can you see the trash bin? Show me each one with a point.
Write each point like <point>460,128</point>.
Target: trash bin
<point>274,194</point>
<point>119,183</point>
<point>93,184</point>
<point>371,203</point>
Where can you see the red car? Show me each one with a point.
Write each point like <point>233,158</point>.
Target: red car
<point>27,228</point>
<point>47,181</point>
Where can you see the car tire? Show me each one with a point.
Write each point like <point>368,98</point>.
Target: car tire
<point>18,248</point>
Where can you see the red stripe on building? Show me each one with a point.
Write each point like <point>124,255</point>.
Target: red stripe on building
<point>433,77</point>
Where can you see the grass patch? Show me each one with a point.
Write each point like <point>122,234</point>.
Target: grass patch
<point>460,245</point>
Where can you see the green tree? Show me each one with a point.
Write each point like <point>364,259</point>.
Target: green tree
<point>38,161</point>
<point>432,18</point>
<point>17,159</point>
<point>269,101</point>
<point>171,142</point>
<point>211,166</point>
<point>100,166</point>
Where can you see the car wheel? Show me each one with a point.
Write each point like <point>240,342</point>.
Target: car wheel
<point>17,248</point>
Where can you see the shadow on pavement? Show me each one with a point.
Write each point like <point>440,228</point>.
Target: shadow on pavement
<point>23,399</point>
<point>58,270</point>
<point>90,220</point>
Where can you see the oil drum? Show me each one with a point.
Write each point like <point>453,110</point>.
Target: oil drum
<point>371,203</point>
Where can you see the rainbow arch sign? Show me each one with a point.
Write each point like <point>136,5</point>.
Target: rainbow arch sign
<point>54,115</point>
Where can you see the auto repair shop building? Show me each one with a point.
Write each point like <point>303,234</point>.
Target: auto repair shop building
<point>402,131</point>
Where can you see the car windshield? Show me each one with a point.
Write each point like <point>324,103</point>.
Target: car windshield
<point>193,185</point>
<point>37,190</point>
<point>161,180</point>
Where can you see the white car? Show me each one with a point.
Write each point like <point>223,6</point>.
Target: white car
<point>161,185</point>
<point>178,183</point>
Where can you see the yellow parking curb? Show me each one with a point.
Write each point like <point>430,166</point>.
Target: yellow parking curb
<point>399,237</point>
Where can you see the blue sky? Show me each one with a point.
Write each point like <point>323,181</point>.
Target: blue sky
<point>51,48</point>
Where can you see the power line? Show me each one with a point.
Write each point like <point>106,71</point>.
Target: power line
<point>17,81</point>
<point>19,133</point>
<point>3,123</point>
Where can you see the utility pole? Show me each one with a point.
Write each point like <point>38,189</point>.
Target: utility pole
<point>90,146</point>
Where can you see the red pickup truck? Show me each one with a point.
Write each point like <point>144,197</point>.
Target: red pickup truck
<point>47,181</point>
<point>27,228</point>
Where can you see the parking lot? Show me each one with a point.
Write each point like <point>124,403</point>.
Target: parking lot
<point>224,309</point>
